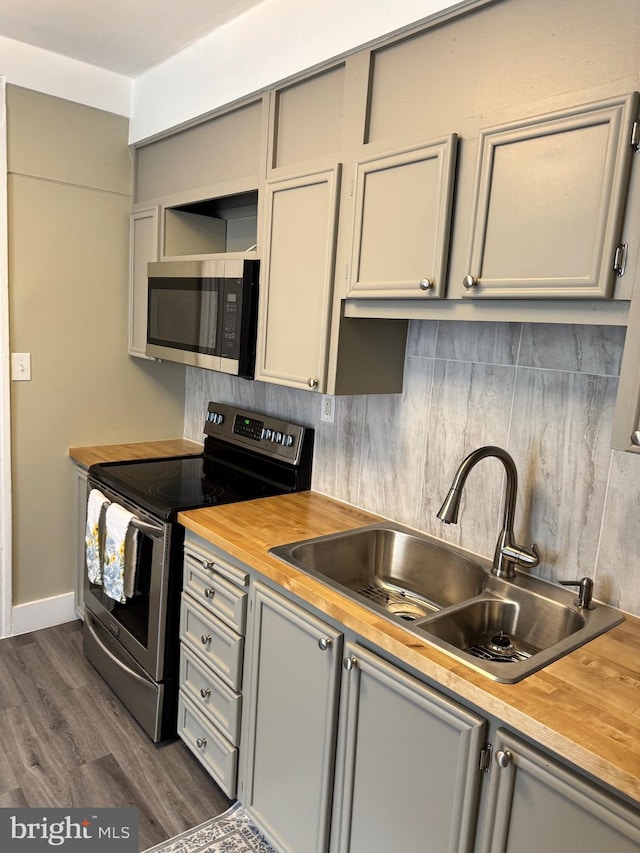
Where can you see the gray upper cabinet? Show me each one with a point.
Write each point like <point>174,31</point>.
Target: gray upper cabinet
<point>403,204</point>
<point>626,425</point>
<point>296,279</point>
<point>537,804</point>
<point>407,765</point>
<point>143,248</point>
<point>549,201</point>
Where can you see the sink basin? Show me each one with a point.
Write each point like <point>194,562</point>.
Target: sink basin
<point>405,575</point>
<point>505,629</point>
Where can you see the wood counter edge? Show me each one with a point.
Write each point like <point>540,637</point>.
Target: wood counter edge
<point>132,451</point>
<point>512,704</point>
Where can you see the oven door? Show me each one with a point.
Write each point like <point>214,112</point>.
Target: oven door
<point>139,624</point>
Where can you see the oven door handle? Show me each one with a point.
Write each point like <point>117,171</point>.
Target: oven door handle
<point>146,681</point>
<point>145,527</point>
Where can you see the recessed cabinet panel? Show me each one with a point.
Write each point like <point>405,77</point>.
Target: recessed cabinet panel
<point>536,804</point>
<point>217,151</point>
<point>549,200</point>
<point>402,222</point>
<point>297,275</point>
<point>308,119</point>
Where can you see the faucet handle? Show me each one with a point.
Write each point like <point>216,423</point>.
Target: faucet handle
<point>521,556</point>
<point>585,585</point>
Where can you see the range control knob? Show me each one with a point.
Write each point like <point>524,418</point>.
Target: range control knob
<point>266,434</point>
<point>287,440</point>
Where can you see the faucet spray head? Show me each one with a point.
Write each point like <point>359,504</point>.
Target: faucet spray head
<point>448,512</point>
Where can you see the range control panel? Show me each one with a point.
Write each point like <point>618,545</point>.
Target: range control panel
<point>263,434</point>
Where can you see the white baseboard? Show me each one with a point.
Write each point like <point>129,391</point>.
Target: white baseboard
<point>43,613</point>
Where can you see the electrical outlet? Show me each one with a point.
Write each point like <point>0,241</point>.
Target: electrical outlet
<point>327,412</point>
<point>21,366</point>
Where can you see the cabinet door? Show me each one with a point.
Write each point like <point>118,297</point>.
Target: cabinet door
<point>407,765</point>
<point>296,280</point>
<point>143,248</point>
<point>290,742</point>
<point>537,804</point>
<point>550,196</point>
<point>402,222</point>
<point>80,517</point>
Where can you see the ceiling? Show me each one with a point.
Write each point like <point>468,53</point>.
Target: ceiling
<point>125,36</point>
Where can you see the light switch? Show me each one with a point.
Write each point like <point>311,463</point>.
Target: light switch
<point>20,366</point>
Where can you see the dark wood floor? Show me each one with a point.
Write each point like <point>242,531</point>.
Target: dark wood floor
<point>67,741</point>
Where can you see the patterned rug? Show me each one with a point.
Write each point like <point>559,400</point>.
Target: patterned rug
<point>230,832</point>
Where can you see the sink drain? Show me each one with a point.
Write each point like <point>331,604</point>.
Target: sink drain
<point>398,604</point>
<point>406,610</point>
<point>500,648</point>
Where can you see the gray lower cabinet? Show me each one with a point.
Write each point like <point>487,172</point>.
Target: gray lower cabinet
<point>291,721</point>
<point>407,765</point>
<point>406,768</point>
<point>212,628</point>
<point>79,530</point>
<point>536,804</point>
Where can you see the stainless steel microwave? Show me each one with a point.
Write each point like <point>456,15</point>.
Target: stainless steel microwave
<point>204,313</point>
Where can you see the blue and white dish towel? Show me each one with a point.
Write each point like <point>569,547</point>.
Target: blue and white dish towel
<point>120,553</point>
<point>96,504</point>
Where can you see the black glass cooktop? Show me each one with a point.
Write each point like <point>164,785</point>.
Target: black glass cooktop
<point>167,486</point>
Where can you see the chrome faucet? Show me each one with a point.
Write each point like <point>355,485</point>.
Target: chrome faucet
<point>507,554</point>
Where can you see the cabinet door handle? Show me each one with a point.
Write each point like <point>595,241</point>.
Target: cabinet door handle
<point>469,281</point>
<point>349,662</point>
<point>426,284</point>
<point>205,692</point>
<point>635,437</point>
<point>209,592</point>
<point>312,383</point>
<point>201,742</point>
<point>205,638</point>
<point>324,643</point>
<point>504,757</point>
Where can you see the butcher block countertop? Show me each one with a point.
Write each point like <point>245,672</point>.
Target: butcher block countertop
<point>88,456</point>
<point>585,707</point>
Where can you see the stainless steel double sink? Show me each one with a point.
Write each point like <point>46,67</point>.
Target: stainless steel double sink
<point>506,629</point>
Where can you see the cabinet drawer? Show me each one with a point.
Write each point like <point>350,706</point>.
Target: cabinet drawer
<point>215,753</point>
<point>214,641</point>
<point>210,695</point>
<point>213,592</point>
<point>202,553</point>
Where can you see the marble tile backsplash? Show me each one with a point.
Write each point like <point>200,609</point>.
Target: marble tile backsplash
<point>545,392</point>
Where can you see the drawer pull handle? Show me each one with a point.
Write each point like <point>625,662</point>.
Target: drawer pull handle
<point>205,639</point>
<point>209,592</point>
<point>207,564</point>
<point>205,692</point>
<point>201,742</point>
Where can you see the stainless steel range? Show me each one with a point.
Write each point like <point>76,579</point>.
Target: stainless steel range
<point>134,645</point>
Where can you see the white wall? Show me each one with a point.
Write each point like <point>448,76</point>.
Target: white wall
<point>268,43</point>
<point>53,74</point>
